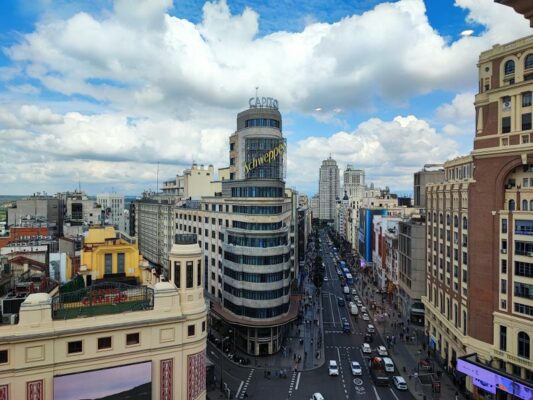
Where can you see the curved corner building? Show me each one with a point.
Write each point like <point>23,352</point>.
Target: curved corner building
<point>256,277</point>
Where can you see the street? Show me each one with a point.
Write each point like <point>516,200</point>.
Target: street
<point>253,383</point>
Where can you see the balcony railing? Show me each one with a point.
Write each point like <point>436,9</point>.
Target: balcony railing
<point>526,232</point>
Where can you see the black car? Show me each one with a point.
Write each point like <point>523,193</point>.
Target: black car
<point>347,297</point>
<point>340,302</point>
<point>368,338</point>
<point>346,328</point>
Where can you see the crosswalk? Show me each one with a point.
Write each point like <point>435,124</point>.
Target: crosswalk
<point>242,393</point>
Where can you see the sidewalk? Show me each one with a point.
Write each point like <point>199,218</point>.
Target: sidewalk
<point>406,352</point>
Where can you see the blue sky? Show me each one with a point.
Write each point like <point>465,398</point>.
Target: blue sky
<point>101,92</point>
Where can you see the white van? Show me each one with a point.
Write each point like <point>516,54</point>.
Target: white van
<point>389,365</point>
<point>354,310</point>
<point>346,290</point>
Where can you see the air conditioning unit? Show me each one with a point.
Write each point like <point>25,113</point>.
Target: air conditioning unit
<point>504,251</point>
<point>530,253</point>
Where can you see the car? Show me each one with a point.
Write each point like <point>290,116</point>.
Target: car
<point>351,304</point>
<point>359,303</point>
<point>347,297</point>
<point>356,369</point>
<point>346,328</point>
<point>340,302</point>
<point>357,298</point>
<point>317,396</point>
<point>325,279</point>
<point>389,365</point>
<point>366,349</point>
<point>354,292</point>
<point>366,317</point>
<point>399,382</point>
<point>370,328</point>
<point>363,309</point>
<point>333,368</point>
<point>368,338</point>
<point>382,351</point>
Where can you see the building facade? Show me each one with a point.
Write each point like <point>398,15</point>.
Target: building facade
<point>248,236</point>
<point>431,173</point>
<point>354,181</point>
<point>328,189</point>
<point>113,206</point>
<point>143,340</point>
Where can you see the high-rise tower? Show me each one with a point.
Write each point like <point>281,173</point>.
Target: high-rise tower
<point>328,189</point>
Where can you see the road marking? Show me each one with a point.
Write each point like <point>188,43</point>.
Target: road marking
<point>358,382</point>
<point>291,386</point>
<point>239,389</point>
<point>376,392</point>
<point>297,381</point>
<point>213,354</point>
<point>331,307</point>
<point>394,394</point>
<point>246,384</point>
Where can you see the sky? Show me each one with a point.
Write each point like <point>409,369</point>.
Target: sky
<point>103,95</point>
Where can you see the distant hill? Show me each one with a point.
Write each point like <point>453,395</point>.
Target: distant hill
<point>141,392</point>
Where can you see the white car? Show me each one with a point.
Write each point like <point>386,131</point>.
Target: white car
<point>370,328</point>
<point>325,278</point>
<point>359,303</point>
<point>363,309</point>
<point>354,292</point>
<point>351,304</point>
<point>356,369</point>
<point>382,351</point>
<point>317,396</point>
<point>399,382</point>
<point>333,368</point>
<point>356,298</point>
<point>389,365</point>
<point>366,317</point>
<point>365,348</point>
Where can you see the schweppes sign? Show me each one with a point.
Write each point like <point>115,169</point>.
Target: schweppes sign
<point>269,156</point>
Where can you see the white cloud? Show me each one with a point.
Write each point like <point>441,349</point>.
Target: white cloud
<point>458,116</point>
<point>39,116</point>
<point>391,51</point>
<point>390,151</point>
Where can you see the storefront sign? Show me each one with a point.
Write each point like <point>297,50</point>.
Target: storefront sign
<point>267,157</point>
<point>263,102</point>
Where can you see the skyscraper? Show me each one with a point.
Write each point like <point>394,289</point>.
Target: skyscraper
<point>354,182</point>
<point>328,189</point>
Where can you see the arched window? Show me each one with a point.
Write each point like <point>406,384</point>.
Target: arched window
<point>523,345</point>
<point>441,218</point>
<point>511,205</point>
<point>528,62</point>
<point>531,205</point>
<point>509,67</point>
<point>524,205</point>
<point>448,219</point>
<point>455,221</point>
<point>465,223</point>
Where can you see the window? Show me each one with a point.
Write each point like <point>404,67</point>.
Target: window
<point>132,339</point>
<point>203,326</point>
<point>75,347</point>
<point>523,345</point>
<point>504,267</point>
<point>508,67</point>
<point>525,139</point>
<point>120,263</point>
<point>511,205</point>
<point>526,99</point>
<point>465,223</point>
<point>199,272</point>
<point>506,124</point>
<point>503,286</point>
<point>503,338</point>
<point>526,121</point>
<point>524,205</point>
<point>108,263</point>
<point>528,62</point>
<point>189,273</point>
<point>190,330</point>
<point>177,273</point>
<point>504,225</point>
<point>3,357</point>
<point>104,343</point>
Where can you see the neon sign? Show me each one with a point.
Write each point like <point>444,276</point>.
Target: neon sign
<point>267,157</point>
<point>263,102</point>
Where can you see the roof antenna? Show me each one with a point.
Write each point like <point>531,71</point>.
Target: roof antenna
<point>256,89</point>
<point>157,179</point>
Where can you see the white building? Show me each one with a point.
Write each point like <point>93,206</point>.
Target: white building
<point>328,189</point>
<point>113,205</point>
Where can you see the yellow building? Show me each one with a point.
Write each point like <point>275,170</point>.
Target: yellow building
<point>142,341</point>
<point>108,253</point>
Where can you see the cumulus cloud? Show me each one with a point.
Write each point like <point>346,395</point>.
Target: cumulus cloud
<point>390,151</point>
<point>458,116</point>
<point>39,116</point>
<point>169,62</point>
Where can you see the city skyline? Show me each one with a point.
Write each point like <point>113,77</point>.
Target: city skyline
<point>91,108</point>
